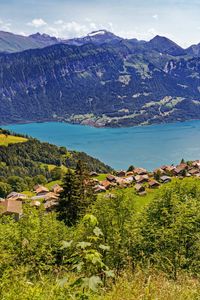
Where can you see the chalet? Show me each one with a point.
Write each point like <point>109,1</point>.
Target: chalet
<point>50,205</point>
<point>106,184</point>
<point>159,171</point>
<point>93,174</point>
<point>169,170</point>
<point>130,173</point>
<point>51,196</point>
<point>128,179</point>
<point>16,196</point>
<point>193,171</point>
<point>196,164</point>
<point>41,190</point>
<point>121,173</point>
<point>111,178</point>
<point>165,179</point>
<point>153,184</point>
<point>99,189</point>
<point>141,178</point>
<point>180,169</point>
<point>10,207</point>
<point>140,171</point>
<point>139,188</point>
<point>57,189</point>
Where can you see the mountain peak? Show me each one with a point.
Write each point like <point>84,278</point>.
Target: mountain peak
<point>165,45</point>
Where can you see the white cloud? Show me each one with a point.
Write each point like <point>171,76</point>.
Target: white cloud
<point>5,26</point>
<point>59,22</point>
<point>37,23</point>
<point>63,29</point>
<point>155,17</point>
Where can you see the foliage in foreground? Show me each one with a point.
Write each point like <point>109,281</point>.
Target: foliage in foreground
<point>41,257</point>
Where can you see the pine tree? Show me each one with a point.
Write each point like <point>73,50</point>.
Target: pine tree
<point>68,208</point>
<point>77,195</point>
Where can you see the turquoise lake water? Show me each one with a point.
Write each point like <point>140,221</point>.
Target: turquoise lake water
<point>148,146</point>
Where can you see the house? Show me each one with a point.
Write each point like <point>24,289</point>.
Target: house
<point>99,189</point>
<point>121,173</point>
<point>106,184</point>
<point>50,205</point>
<point>57,189</point>
<point>180,169</point>
<point>193,171</point>
<point>130,173</point>
<point>93,174</point>
<point>41,190</point>
<point>158,171</point>
<point>128,180</point>
<point>140,171</point>
<point>139,188</point>
<point>51,196</point>
<point>16,196</point>
<point>153,184</point>
<point>111,178</point>
<point>165,179</point>
<point>141,178</point>
<point>169,169</point>
<point>10,207</point>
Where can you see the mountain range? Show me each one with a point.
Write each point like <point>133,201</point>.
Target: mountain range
<point>100,79</point>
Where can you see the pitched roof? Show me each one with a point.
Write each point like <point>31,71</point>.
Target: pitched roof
<point>10,206</point>
<point>41,189</point>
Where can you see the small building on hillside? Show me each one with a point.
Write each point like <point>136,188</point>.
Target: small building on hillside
<point>121,173</point>
<point>139,188</point>
<point>99,189</point>
<point>106,184</point>
<point>140,171</point>
<point>93,174</point>
<point>165,179</point>
<point>57,189</point>
<point>180,170</point>
<point>50,205</point>
<point>153,184</point>
<point>10,207</point>
<point>16,196</point>
<point>111,178</point>
<point>41,190</point>
<point>141,178</point>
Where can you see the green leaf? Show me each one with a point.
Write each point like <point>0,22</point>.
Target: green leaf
<point>92,220</point>
<point>83,245</point>
<point>104,247</point>
<point>97,231</point>
<point>92,282</point>
<point>66,244</point>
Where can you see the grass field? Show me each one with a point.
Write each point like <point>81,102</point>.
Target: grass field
<point>10,139</point>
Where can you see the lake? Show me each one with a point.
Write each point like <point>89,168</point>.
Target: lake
<point>147,146</point>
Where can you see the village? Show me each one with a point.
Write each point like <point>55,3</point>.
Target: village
<point>138,178</point>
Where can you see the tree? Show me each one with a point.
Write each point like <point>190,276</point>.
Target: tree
<point>40,179</point>
<point>86,185</point>
<point>131,168</point>
<point>169,230</point>
<point>5,189</point>
<point>57,173</point>
<point>77,195</point>
<point>69,204</point>
<point>17,183</point>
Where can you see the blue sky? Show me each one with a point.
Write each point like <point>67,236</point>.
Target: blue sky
<point>176,19</point>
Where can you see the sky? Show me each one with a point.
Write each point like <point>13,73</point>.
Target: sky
<point>142,19</point>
